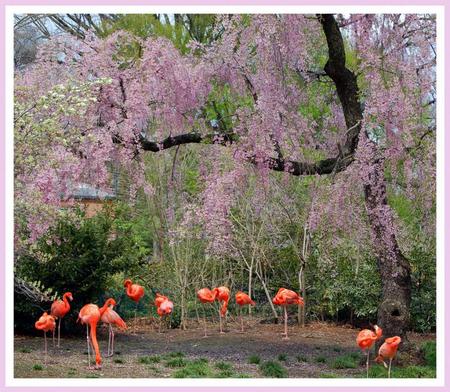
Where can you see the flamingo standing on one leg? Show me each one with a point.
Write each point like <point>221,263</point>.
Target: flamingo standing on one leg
<point>243,299</point>
<point>164,307</point>
<point>205,295</point>
<point>388,350</point>
<point>90,315</point>
<point>365,340</point>
<point>135,292</point>
<point>285,297</point>
<point>222,294</point>
<point>109,316</point>
<point>45,323</point>
<point>58,310</point>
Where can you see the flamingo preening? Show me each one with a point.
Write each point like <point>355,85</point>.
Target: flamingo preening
<point>45,323</point>
<point>58,310</point>
<point>222,294</point>
<point>365,340</point>
<point>109,316</point>
<point>164,307</point>
<point>90,315</point>
<point>285,297</point>
<point>205,295</point>
<point>135,292</point>
<point>388,350</point>
<point>243,299</point>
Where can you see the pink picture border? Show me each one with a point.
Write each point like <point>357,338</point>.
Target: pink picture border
<point>3,318</point>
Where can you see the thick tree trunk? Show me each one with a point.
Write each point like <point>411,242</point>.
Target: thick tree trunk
<point>394,268</point>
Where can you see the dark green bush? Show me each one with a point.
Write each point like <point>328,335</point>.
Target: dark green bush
<point>79,257</point>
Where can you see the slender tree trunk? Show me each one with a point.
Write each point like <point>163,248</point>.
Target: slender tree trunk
<point>250,275</point>
<point>261,279</point>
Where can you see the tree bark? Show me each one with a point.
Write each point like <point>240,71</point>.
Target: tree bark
<point>394,268</point>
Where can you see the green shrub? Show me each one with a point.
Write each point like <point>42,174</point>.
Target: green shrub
<point>78,256</point>
<point>223,366</point>
<point>282,357</point>
<point>176,362</point>
<point>321,359</point>
<point>301,358</point>
<point>194,369</point>
<point>150,359</point>
<point>273,369</point>
<point>254,359</point>
<point>429,353</point>
<point>38,367</point>
<point>344,362</point>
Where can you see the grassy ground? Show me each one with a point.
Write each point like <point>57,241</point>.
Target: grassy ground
<point>318,350</point>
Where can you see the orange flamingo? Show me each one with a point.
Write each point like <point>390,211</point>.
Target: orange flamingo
<point>109,316</point>
<point>90,315</point>
<point>164,307</point>
<point>222,294</point>
<point>58,310</point>
<point>205,295</point>
<point>388,350</point>
<point>45,323</point>
<point>135,292</point>
<point>243,299</point>
<point>285,297</point>
<point>365,340</point>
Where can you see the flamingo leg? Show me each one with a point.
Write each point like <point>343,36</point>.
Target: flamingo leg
<point>285,324</point>
<point>242,320</point>
<point>109,340</point>
<point>59,331</point>
<point>135,316</point>
<point>45,347</point>
<point>367,362</point>
<point>220,323</point>
<point>53,338</point>
<point>112,340</point>
<point>204,319</point>
<point>389,370</point>
<point>88,346</point>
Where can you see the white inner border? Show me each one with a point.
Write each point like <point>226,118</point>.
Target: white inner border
<point>158,382</point>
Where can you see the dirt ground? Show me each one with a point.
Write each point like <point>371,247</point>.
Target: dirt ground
<point>308,353</point>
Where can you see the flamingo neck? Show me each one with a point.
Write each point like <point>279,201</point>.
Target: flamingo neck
<point>66,302</point>
<point>105,306</point>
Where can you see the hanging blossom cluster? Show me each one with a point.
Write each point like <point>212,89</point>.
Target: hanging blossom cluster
<point>151,90</point>
<point>82,108</point>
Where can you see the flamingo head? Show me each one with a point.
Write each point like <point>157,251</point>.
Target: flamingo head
<point>111,301</point>
<point>394,341</point>
<point>68,295</point>
<point>127,283</point>
<point>378,331</point>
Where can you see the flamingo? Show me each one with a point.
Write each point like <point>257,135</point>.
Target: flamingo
<point>58,310</point>
<point>365,340</point>
<point>388,350</point>
<point>285,297</point>
<point>45,323</point>
<point>205,295</point>
<point>135,292</point>
<point>90,315</point>
<point>109,316</point>
<point>222,294</point>
<point>243,299</point>
<point>164,307</point>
